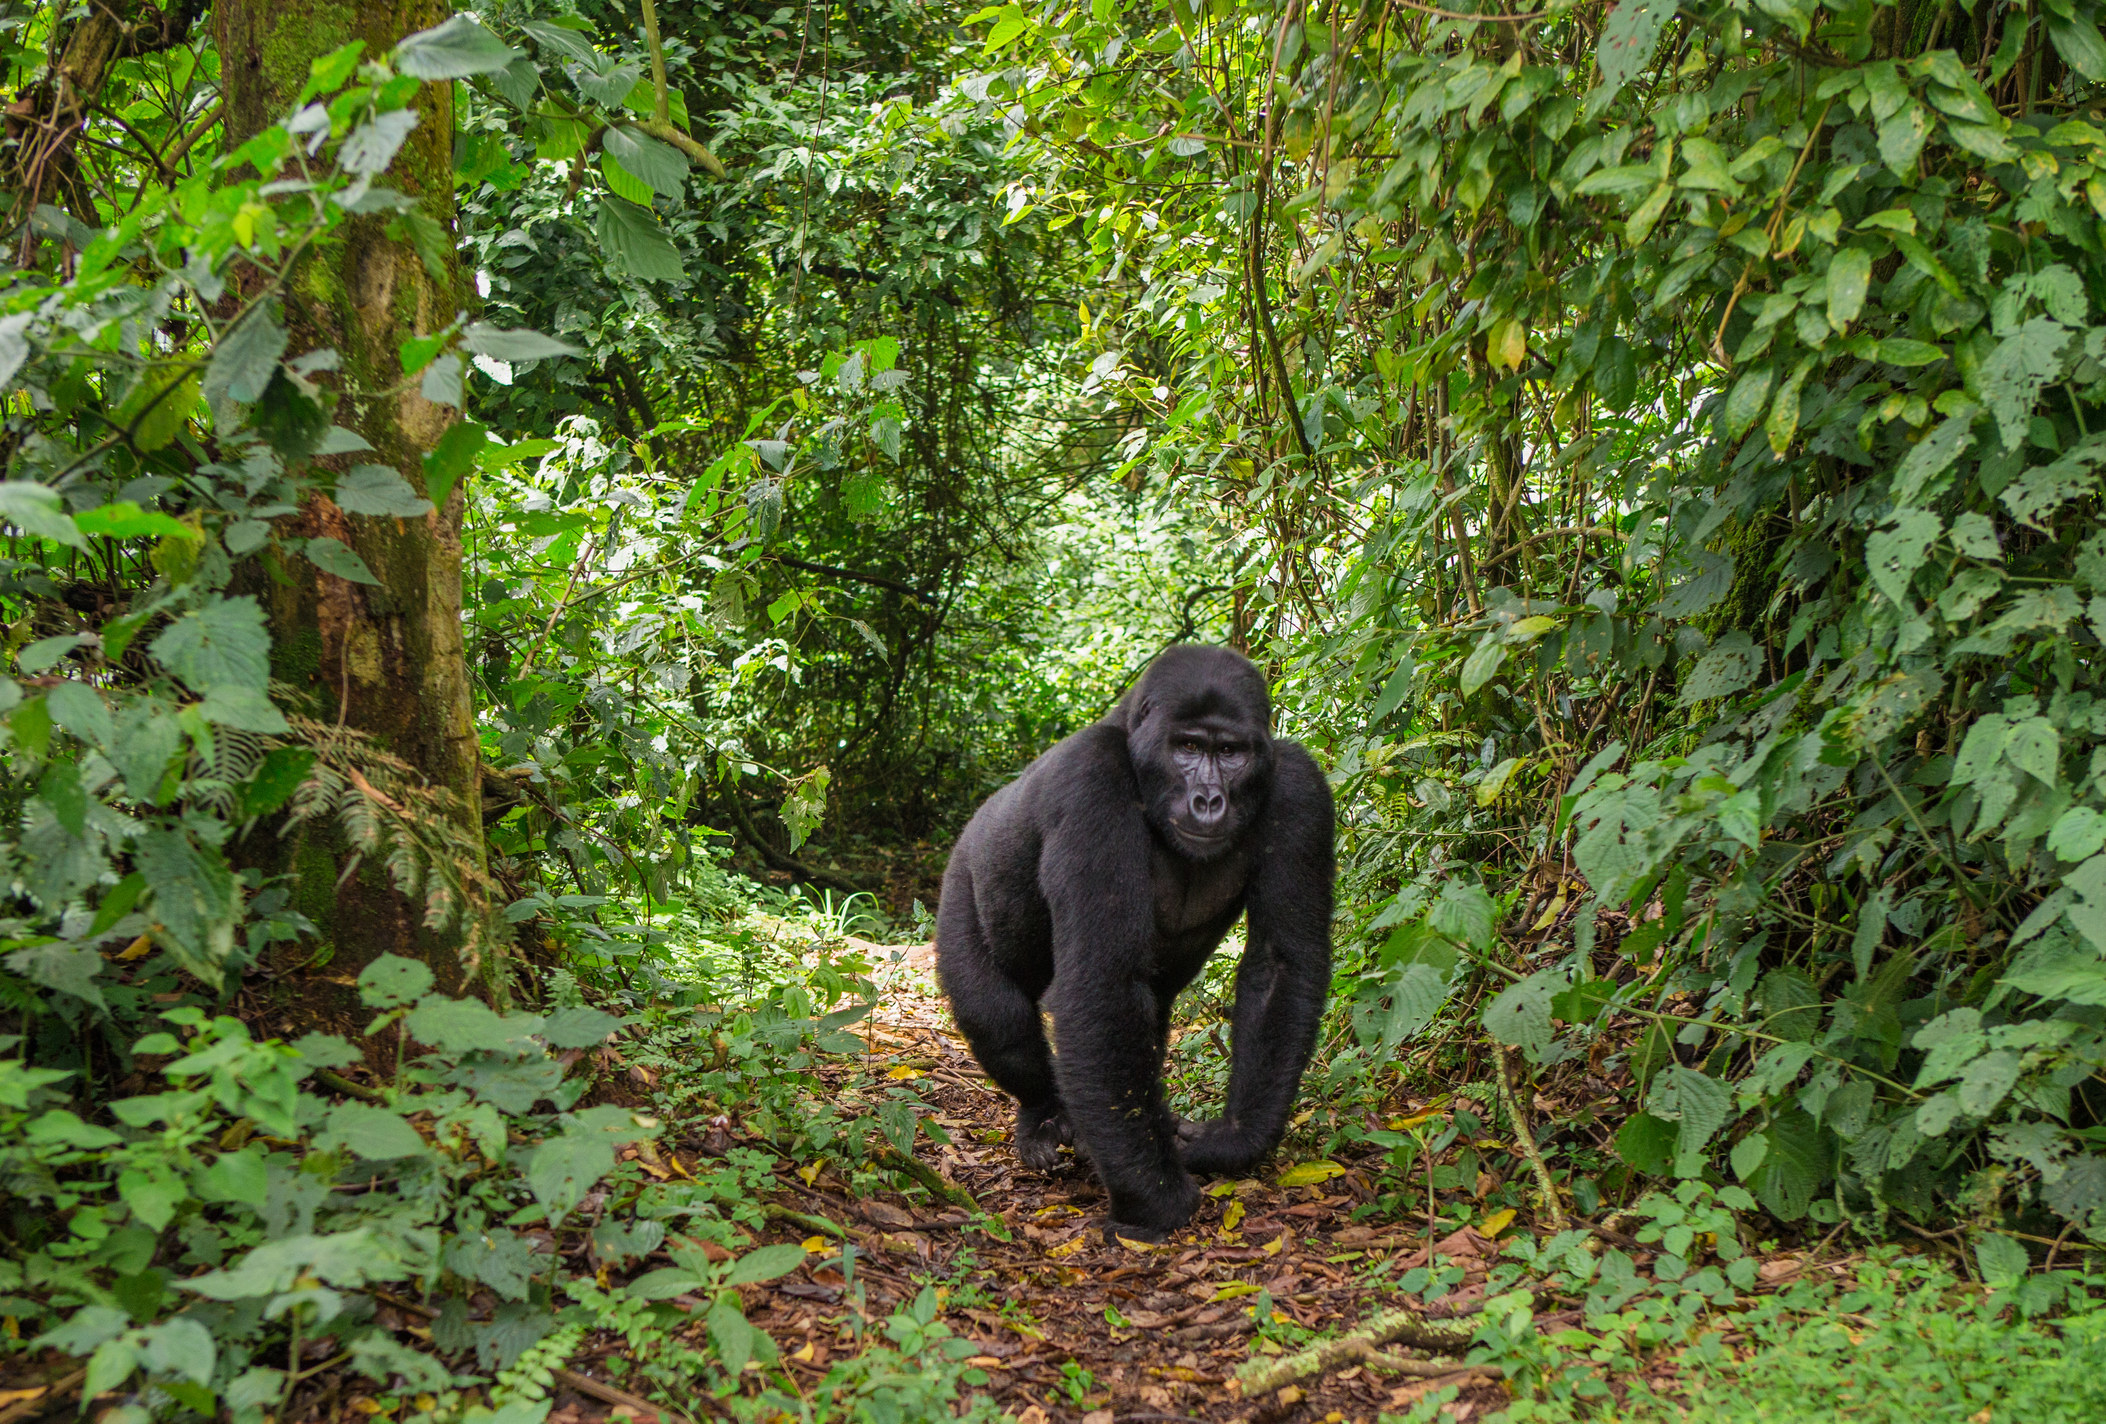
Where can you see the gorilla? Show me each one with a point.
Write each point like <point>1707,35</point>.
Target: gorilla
<point>1098,883</point>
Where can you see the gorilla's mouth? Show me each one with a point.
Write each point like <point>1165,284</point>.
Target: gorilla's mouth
<point>1202,842</point>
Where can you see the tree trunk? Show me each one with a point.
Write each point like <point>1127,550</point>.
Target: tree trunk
<point>387,662</point>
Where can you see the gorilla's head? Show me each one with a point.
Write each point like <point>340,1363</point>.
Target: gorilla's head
<point>1198,731</point>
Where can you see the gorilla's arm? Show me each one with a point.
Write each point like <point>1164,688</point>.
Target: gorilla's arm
<point>1285,974</point>
<point>1094,873</point>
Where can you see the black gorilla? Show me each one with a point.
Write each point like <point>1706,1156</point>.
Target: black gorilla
<point>1100,881</point>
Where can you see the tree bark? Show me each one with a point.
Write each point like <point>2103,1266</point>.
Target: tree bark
<point>388,661</point>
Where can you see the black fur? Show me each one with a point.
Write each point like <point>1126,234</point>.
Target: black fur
<point>1099,882</point>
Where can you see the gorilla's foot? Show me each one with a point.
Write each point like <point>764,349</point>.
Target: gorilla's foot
<point>1040,1134</point>
<point>1216,1147</point>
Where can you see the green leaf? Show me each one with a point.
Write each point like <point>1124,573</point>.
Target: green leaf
<point>1629,38</point>
<point>2077,40</point>
<point>732,1335</point>
<point>564,41</point>
<point>633,241</point>
<point>2035,748</point>
<point>579,1028</point>
<point>661,165</point>
<point>564,1168</point>
<point>333,556</point>
<point>765,1264</point>
<point>1647,1143</point>
<point>246,709</point>
<point>235,1177</point>
<point>38,512</point>
<point>60,789</point>
<point>1483,662</point>
<point>454,456</point>
<point>379,491</point>
<point>1849,273</point>
<point>373,1132</point>
<point>1465,913</point>
<point>392,981</point>
<point>470,1026</point>
<point>2011,380</point>
<point>1520,1015</point>
<point>247,357</point>
<point>275,780</point>
<point>2079,835</point>
<point>1728,666</point>
<point>224,643</point>
<point>1901,136</point>
<point>1929,458</point>
<point>514,344</point>
<point>1894,555</point>
<point>664,1283</point>
<point>126,520</point>
<point>80,709</point>
<point>455,50</point>
<point>1748,399</point>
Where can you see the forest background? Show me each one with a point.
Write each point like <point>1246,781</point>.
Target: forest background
<point>504,508</point>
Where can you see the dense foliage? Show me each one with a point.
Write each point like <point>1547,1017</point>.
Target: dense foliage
<point>1666,434</point>
<point>1648,446</point>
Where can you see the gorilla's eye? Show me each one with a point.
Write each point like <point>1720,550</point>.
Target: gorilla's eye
<point>1189,746</point>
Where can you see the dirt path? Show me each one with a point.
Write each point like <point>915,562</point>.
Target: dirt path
<point>1069,1328</point>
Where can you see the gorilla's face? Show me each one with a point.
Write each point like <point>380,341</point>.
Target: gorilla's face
<point>1196,731</point>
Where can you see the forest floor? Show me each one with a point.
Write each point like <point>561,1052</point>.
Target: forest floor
<point>1070,1328</point>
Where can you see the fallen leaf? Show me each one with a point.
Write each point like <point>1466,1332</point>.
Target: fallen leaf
<point>1308,1174</point>
<point>1497,1222</point>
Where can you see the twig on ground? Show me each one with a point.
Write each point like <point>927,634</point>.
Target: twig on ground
<point>43,1399</point>
<point>775,1212</point>
<point>929,1177</point>
<point>1392,1327</point>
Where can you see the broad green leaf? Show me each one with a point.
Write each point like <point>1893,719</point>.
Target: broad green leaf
<point>379,491</point>
<point>1849,273</point>
<point>1629,37</point>
<point>635,244</point>
<point>333,556</point>
<point>1748,399</point>
<point>764,1264</point>
<point>245,359</point>
<point>1483,662</point>
<point>2011,380</point>
<point>564,1168</point>
<point>2076,38</point>
<point>38,512</point>
<point>1520,1015</point>
<point>392,981</point>
<point>1892,556</point>
<point>456,49</point>
<point>373,1132</point>
<point>659,165</point>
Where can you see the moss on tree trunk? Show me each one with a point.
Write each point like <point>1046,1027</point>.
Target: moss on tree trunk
<point>387,661</point>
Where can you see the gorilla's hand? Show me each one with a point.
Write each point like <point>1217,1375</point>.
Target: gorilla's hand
<point>1039,1137</point>
<point>1216,1146</point>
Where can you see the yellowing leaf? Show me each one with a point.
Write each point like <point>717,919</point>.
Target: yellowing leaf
<point>1222,1189</point>
<point>1507,345</point>
<point>1497,1222</point>
<point>1308,1174</point>
<point>1232,1217</point>
<point>903,1072</point>
<point>814,1244</point>
<point>1069,1247</point>
<point>1276,1245</point>
<point>1232,1290</point>
<point>810,1170</point>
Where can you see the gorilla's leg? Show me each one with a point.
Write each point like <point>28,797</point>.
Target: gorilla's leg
<point>1001,1023</point>
<point>1110,1067</point>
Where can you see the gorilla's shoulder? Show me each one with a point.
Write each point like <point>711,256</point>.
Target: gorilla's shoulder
<point>1094,758</point>
<point>1293,766</point>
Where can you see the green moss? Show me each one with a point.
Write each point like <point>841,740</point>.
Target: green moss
<point>288,49</point>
